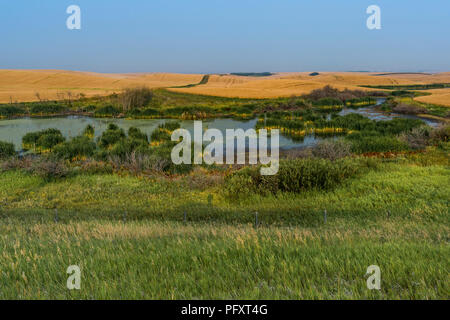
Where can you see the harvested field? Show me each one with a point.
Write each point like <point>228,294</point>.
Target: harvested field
<point>32,85</point>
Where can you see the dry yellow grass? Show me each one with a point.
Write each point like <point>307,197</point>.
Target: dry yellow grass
<point>279,85</point>
<point>22,85</point>
<point>287,84</point>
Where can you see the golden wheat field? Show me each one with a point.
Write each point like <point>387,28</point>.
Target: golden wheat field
<point>32,85</point>
<point>438,96</point>
<point>287,84</point>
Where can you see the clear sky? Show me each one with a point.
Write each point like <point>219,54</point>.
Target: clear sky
<point>215,36</point>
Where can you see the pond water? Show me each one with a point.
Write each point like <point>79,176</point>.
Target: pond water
<point>71,126</point>
<point>373,113</point>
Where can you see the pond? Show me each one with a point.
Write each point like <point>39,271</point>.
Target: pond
<point>71,126</point>
<point>372,112</point>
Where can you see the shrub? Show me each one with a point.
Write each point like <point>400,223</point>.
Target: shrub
<point>125,147</point>
<point>137,163</point>
<point>295,176</point>
<point>6,150</point>
<point>107,111</point>
<point>9,111</point>
<point>328,102</point>
<point>42,140</point>
<point>249,181</point>
<point>409,109</point>
<point>136,98</point>
<point>308,174</point>
<point>89,131</point>
<point>16,163</point>
<point>157,161</point>
<point>137,134</point>
<point>417,138</point>
<point>89,108</point>
<point>161,156</point>
<point>330,92</point>
<point>47,108</point>
<point>440,134</point>
<point>77,148</point>
<point>170,125</point>
<point>49,169</point>
<point>332,150</point>
<point>160,135</point>
<point>48,141</point>
<point>112,126</point>
<point>111,136</point>
<point>148,112</point>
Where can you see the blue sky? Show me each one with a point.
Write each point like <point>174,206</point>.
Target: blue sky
<point>212,36</point>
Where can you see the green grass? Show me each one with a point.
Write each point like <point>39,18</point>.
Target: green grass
<point>406,190</point>
<point>218,253</point>
<point>153,260</point>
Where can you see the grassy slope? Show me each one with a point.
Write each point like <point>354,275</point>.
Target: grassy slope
<point>152,255</point>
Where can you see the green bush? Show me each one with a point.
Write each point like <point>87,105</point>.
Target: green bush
<point>89,131</point>
<point>107,111</point>
<point>162,156</point>
<point>137,134</point>
<point>48,141</point>
<point>112,126</point>
<point>170,125</point>
<point>328,102</point>
<point>148,112</point>
<point>78,147</point>
<point>125,147</point>
<point>295,176</point>
<point>111,136</point>
<point>89,108</point>
<point>46,108</point>
<point>6,150</point>
<point>9,111</point>
<point>29,140</point>
<point>307,174</point>
<point>45,139</point>
<point>160,135</point>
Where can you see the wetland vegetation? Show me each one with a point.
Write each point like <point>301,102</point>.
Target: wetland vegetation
<point>368,192</point>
